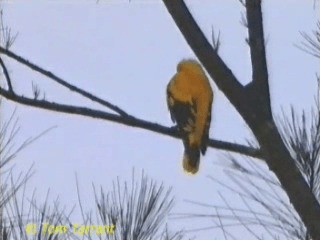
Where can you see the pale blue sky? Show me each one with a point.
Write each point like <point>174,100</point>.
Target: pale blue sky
<point>126,53</point>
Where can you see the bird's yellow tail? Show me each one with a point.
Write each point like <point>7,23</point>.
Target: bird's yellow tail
<point>191,160</point>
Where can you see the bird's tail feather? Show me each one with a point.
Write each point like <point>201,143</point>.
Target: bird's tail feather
<point>191,160</point>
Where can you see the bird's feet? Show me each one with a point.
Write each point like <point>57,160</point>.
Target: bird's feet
<point>175,128</point>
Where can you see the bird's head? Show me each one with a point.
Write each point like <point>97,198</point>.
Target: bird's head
<point>189,65</point>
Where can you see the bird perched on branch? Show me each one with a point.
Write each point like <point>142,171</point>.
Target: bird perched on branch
<point>189,99</point>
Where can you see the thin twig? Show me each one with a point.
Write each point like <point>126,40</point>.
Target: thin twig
<point>216,43</point>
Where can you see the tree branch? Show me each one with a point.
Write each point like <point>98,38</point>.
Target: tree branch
<point>126,120</point>
<point>217,69</point>
<point>6,74</point>
<point>265,130</point>
<point>256,43</point>
<point>260,91</point>
<point>61,81</point>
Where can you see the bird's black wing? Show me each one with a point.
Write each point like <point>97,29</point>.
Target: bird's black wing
<point>183,113</point>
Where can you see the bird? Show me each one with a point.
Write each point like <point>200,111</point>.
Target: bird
<point>189,99</point>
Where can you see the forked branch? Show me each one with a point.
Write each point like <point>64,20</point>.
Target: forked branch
<point>129,121</point>
<point>257,114</point>
<point>6,75</point>
<point>60,81</point>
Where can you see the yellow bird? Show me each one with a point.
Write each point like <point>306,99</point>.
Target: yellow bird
<point>189,99</point>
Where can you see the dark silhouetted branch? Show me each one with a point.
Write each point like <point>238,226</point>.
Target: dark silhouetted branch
<point>256,43</point>
<point>6,74</point>
<point>61,81</point>
<point>257,115</point>
<point>129,121</point>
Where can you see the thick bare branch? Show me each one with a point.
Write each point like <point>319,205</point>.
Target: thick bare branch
<point>258,54</point>
<point>128,120</point>
<point>61,81</point>
<point>256,43</point>
<point>265,130</point>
